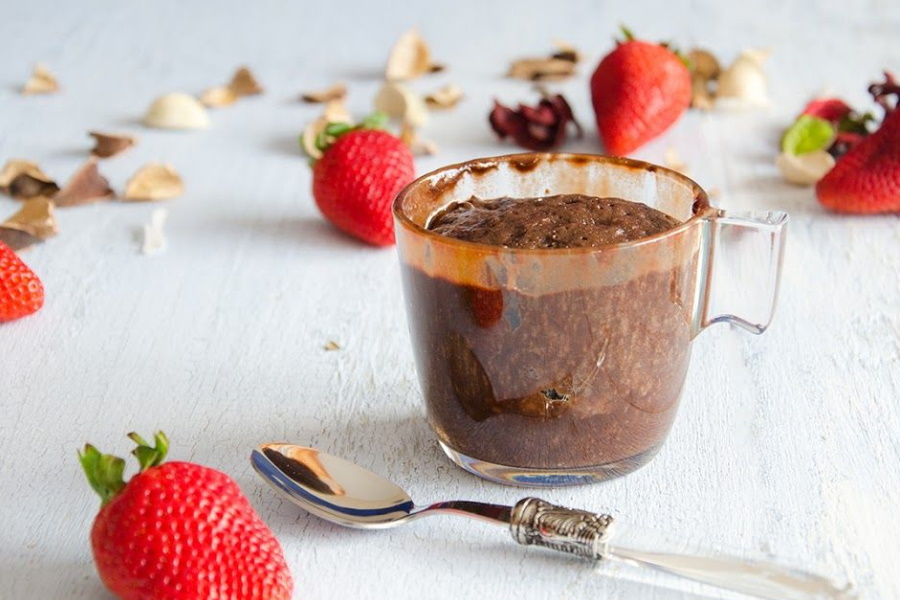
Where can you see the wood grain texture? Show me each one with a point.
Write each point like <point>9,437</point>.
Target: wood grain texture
<point>786,443</point>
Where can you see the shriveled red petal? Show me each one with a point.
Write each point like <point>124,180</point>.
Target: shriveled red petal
<point>540,128</point>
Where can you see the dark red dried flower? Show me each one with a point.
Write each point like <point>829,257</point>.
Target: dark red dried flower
<point>883,91</point>
<point>542,127</point>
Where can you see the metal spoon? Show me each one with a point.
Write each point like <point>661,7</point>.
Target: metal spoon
<point>347,494</point>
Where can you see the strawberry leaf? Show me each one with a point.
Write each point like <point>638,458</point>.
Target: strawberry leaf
<point>806,135</point>
<point>105,472</point>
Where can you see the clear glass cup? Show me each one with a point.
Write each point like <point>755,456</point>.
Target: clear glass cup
<point>563,366</point>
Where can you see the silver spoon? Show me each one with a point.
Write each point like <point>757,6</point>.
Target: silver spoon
<point>347,494</point>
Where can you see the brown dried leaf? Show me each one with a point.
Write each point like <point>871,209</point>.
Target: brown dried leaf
<point>244,83</point>
<point>42,81</point>
<point>154,181</point>
<point>409,58</point>
<point>218,96</point>
<point>541,69</point>
<point>444,98</point>
<point>86,185</point>
<point>110,144</point>
<point>24,179</point>
<point>33,223</point>
<point>336,92</point>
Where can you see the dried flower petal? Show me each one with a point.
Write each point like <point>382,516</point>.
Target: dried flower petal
<point>216,97</point>
<point>244,83</point>
<point>804,169</point>
<point>176,111</point>
<point>444,98</point>
<point>84,186</point>
<point>882,92</point>
<point>744,84</point>
<point>542,127</point>
<point>705,69</point>
<point>154,181</point>
<point>566,51</point>
<point>331,346</point>
<point>399,102</point>
<point>334,112</point>
<point>33,223</point>
<point>24,179</point>
<point>541,69</point>
<point>336,92</point>
<point>42,81</point>
<point>418,145</point>
<point>409,58</point>
<point>110,144</point>
<point>154,237</point>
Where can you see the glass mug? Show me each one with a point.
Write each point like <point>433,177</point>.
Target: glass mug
<point>563,366</point>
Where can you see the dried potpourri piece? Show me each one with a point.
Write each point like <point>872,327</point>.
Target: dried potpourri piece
<point>110,144</point>
<point>86,185</point>
<point>154,181</point>
<point>42,81</point>
<point>33,223</point>
<point>410,58</point>
<point>24,179</point>
<point>444,98</point>
<point>558,65</point>
<point>542,127</point>
<point>337,91</point>
<point>176,111</point>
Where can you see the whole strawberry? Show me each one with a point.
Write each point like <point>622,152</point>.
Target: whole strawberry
<point>21,292</point>
<point>179,531</point>
<point>361,169</point>
<point>639,90</point>
<point>867,178</point>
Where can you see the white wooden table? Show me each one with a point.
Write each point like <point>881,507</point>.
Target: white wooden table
<point>785,444</point>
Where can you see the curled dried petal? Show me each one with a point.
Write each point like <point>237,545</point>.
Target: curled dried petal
<point>84,186</point>
<point>244,83</point>
<point>42,81</point>
<point>24,179</point>
<point>337,91</point>
<point>409,58</point>
<point>882,92</point>
<point>34,222</point>
<point>444,98</point>
<point>541,69</point>
<point>154,181</point>
<point>216,97</point>
<point>109,144</point>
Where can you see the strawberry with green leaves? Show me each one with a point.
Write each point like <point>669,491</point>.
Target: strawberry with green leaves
<point>639,90</point>
<point>179,531</point>
<point>866,179</point>
<point>21,292</point>
<point>361,170</point>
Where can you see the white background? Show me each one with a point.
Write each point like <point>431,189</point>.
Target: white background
<point>786,443</point>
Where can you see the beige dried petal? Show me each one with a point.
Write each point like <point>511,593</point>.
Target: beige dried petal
<point>804,169</point>
<point>541,69</point>
<point>24,179</point>
<point>215,97</point>
<point>244,83</point>
<point>84,186</point>
<point>744,84</point>
<point>33,223</point>
<point>154,181</point>
<point>335,112</point>
<point>177,111</point>
<point>331,346</point>
<point>566,51</point>
<point>110,144</point>
<point>409,57</point>
<point>705,69</point>
<point>399,102</point>
<point>672,159</point>
<point>418,145</point>
<point>444,98</point>
<point>42,81</point>
<point>336,92</point>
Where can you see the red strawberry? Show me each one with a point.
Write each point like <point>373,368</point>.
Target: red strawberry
<point>867,178</point>
<point>179,531</point>
<point>830,109</point>
<point>639,90</point>
<point>21,292</point>
<point>356,179</point>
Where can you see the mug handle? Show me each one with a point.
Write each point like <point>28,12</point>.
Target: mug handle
<point>740,269</point>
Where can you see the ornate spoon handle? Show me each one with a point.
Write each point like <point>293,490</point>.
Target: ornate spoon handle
<point>598,536</point>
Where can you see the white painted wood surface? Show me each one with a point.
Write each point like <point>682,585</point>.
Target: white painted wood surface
<point>786,443</point>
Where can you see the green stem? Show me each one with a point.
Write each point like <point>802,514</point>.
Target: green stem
<point>105,472</point>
